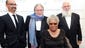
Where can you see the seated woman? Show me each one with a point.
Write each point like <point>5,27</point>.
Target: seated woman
<point>53,37</point>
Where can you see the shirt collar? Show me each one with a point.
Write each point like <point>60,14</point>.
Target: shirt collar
<point>11,13</point>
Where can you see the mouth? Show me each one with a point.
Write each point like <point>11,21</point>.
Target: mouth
<point>14,8</point>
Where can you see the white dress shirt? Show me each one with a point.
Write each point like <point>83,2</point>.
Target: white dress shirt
<point>38,25</point>
<point>68,20</point>
<point>11,15</point>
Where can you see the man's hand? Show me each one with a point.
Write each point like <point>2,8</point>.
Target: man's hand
<point>79,42</point>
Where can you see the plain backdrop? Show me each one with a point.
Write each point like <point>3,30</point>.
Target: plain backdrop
<point>26,7</point>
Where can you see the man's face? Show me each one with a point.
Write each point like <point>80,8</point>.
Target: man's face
<point>39,10</point>
<point>66,6</point>
<point>11,5</point>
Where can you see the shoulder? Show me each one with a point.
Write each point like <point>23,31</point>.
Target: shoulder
<point>62,31</point>
<point>4,17</point>
<point>45,17</point>
<point>59,14</point>
<point>45,32</point>
<point>28,17</point>
<point>19,15</point>
<point>75,14</point>
<point>0,18</point>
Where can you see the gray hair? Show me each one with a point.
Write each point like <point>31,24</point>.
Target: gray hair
<point>53,17</point>
<point>38,5</point>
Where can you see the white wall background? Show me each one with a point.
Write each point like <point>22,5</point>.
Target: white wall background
<point>25,7</point>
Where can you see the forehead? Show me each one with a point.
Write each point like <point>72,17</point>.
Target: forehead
<point>52,20</point>
<point>66,4</point>
<point>39,7</point>
<point>11,1</point>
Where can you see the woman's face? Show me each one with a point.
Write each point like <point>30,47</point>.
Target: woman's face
<point>53,25</point>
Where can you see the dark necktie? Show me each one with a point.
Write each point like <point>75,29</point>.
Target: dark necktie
<point>15,21</point>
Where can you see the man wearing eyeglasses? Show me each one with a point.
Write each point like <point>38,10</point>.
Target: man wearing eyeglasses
<point>12,26</point>
<point>70,23</point>
<point>35,24</point>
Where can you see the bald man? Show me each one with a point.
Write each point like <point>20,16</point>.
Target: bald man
<point>70,23</point>
<point>12,26</point>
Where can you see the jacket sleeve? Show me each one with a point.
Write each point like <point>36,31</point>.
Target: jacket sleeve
<point>2,31</point>
<point>79,33</point>
<point>27,23</point>
<point>22,33</point>
<point>67,43</point>
<point>26,28</point>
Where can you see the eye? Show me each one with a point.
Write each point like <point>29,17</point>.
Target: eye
<point>11,4</point>
<point>52,23</point>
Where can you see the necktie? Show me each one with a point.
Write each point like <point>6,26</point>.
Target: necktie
<point>15,21</point>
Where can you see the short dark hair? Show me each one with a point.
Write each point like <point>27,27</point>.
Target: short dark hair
<point>6,1</point>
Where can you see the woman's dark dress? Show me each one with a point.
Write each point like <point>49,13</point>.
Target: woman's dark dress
<point>49,42</point>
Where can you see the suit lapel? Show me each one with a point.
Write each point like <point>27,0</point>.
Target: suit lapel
<point>64,22</point>
<point>42,24</point>
<point>18,20</point>
<point>10,21</point>
<point>72,21</point>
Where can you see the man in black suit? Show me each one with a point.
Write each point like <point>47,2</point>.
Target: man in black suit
<point>12,34</point>
<point>70,23</point>
<point>35,24</point>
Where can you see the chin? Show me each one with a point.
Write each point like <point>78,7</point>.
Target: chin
<point>53,30</point>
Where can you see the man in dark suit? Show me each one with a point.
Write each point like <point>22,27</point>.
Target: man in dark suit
<point>35,24</point>
<point>12,34</point>
<point>70,23</point>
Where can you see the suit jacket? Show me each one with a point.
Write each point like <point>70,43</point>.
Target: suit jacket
<point>44,26</point>
<point>13,36</point>
<point>74,33</point>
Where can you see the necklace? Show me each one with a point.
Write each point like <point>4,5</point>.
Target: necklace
<point>54,34</point>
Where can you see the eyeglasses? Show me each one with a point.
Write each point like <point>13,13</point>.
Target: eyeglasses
<point>66,6</point>
<point>52,23</point>
<point>11,4</point>
<point>39,10</point>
